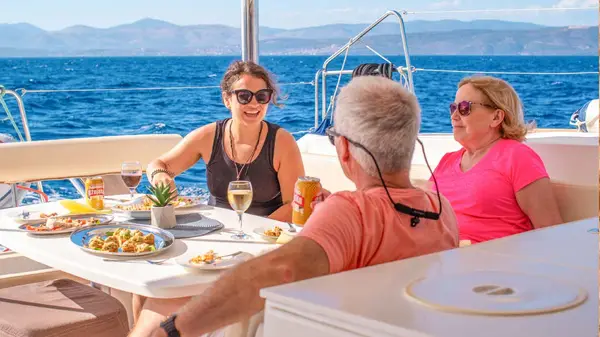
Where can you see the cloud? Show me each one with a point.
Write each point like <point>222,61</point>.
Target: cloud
<point>576,3</point>
<point>445,4</point>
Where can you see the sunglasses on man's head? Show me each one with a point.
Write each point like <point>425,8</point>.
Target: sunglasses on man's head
<point>415,214</point>
<point>331,135</point>
<point>464,107</point>
<point>244,96</point>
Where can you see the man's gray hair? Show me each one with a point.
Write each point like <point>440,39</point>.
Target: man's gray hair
<point>384,117</point>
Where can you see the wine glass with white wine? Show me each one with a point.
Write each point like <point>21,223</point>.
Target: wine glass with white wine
<point>239,194</point>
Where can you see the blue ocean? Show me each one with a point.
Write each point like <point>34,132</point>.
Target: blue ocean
<point>549,100</point>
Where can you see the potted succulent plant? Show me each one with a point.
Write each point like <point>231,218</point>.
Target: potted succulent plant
<point>162,214</point>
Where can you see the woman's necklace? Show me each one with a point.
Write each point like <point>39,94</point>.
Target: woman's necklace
<point>239,172</point>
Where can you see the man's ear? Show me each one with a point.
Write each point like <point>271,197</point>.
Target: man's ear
<point>344,148</point>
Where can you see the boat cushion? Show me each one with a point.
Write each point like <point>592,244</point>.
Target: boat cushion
<point>60,308</point>
<point>79,157</point>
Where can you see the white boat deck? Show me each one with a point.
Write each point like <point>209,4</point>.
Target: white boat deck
<point>371,301</point>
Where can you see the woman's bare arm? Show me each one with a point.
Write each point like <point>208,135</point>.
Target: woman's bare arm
<point>290,168</point>
<point>185,154</point>
<point>537,200</point>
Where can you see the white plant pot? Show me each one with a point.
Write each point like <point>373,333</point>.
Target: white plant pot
<point>163,217</point>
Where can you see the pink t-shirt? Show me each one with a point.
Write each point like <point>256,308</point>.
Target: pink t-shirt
<point>484,197</point>
<point>362,228</point>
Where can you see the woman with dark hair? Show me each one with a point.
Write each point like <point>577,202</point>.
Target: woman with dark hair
<point>242,147</point>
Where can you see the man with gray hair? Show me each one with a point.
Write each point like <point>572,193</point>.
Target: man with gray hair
<point>376,122</point>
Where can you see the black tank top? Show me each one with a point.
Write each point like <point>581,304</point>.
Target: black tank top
<point>260,172</point>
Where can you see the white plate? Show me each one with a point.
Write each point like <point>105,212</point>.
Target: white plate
<point>104,219</point>
<point>33,218</point>
<point>226,263</point>
<point>146,214</point>
<point>163,240</point>
<point>260,231</point>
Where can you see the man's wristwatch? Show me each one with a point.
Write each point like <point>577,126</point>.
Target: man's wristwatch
<point>169,326</point>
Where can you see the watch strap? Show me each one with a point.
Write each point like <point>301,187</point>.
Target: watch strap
<point>168,325</point>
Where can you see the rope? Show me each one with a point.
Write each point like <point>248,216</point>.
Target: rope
<point>10,117</point>
<point>501,10</point>
<point>337,86</point>
<point>504,72</point>
<point>24,91</point>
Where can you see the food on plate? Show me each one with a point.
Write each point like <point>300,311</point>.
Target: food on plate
<point>146,204</point>
<point>128,246</point>
<point>61,223</point>
<point>44,215</point>
<point>144,247</point>
<point>137,239</point>
<point>112,239</point>
<point>112,247</point>
<point>96,242</point>
<point>149,239</point>
<point>275,232</point>
<point>124,235</point>
<point>208,257</point>
<point>124,240</point>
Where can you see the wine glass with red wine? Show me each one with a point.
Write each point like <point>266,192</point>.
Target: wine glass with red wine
<point>131,173</point>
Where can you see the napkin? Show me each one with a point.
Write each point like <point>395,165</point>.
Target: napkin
<point>284,237</point>
<point>75,207</point>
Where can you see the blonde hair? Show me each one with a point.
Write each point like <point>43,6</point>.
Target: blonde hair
<point>504,97</point>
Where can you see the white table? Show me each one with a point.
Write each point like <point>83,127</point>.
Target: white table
<point>569,245</point>
<point>371,302</point>
<point>167,280</point>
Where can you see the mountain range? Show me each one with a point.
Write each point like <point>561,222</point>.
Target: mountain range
<point>151,37</point>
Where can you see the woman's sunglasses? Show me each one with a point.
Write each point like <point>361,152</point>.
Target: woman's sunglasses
<point>464,107</point>
<point>244,96</point>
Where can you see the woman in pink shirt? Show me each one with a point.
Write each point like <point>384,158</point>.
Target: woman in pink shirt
<point>497,185</point>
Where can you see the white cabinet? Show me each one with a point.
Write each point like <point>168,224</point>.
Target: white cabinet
<point>372,301</point>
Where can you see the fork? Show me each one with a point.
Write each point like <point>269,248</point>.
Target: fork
<point>222,256</point>
<point>292,228</point>
<point>157,262</point>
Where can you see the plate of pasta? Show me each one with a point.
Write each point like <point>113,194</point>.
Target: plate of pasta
<point>66,224</point>
<point>140,207</point>
<point>123,240</point>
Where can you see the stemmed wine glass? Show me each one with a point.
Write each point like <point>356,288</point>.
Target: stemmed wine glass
<point>239,194</point>
<point>131,173</point>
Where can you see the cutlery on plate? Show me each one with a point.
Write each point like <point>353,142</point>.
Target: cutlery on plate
<point>222,256</point>
<point>292,228</point>
<point>157,262</point>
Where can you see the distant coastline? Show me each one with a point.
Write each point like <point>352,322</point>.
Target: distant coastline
<point>150,37</point>
<point>233,56</point>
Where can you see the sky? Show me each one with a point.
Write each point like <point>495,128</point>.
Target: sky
<point>59,14</point>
